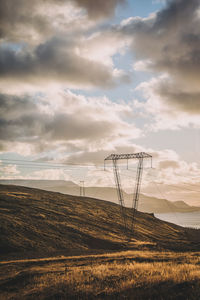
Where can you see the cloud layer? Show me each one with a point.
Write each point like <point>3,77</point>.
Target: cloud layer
<point>168,42</point>
<point>71,122</point>
<point>46,43</point>
<point>31,20</point>
<point>54,61</point>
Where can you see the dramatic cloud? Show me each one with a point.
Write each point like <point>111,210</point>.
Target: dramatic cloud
<point>48,43</point>
<point>89,123</point>
<point>169,42</point>
<point>188,101</point>
<point>168,106</point>
<point>55,61</point>
<point>31,20</point>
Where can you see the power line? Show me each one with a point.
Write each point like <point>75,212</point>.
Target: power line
<point>25,164</point>
<point>52,166</point>
<point>16,161</point>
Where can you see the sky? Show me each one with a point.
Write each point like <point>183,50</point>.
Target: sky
<point>81,79</point>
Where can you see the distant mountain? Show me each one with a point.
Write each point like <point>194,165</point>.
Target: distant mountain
<point>43,184</point>
<point>146,203</point>
<point>181,204</point>
<point>156,205</point>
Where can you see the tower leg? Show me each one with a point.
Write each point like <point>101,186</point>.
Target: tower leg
<point>119,192</point>
<point>136,192</point>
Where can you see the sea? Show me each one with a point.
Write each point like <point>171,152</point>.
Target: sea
<point>189,219</point>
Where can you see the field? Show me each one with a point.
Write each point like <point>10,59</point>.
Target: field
<point>55,246</point>
<point>121,275</point>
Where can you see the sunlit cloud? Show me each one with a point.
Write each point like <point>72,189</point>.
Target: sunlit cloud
<point>90,122</point>
<point>155,41</point>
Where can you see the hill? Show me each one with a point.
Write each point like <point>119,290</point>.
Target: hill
<point>146,203</point>
<point>37,223</point>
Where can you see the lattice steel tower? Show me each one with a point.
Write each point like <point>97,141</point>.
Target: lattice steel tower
<point>115,157</point>
<point>82,188</point>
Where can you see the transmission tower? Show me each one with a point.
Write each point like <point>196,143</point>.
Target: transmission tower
<point>115,157</point>
<point>82,188</point>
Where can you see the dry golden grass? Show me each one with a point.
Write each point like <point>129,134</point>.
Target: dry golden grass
<point>123,275</point>
<point>116,277</point>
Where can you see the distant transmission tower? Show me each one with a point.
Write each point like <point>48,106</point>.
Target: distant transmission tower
<point>82,188</point>
<point>115,157</point>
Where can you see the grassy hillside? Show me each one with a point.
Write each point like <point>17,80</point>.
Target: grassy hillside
<point>37,223</point>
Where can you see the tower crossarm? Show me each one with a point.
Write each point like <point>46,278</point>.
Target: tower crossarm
<point>128,156</point>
